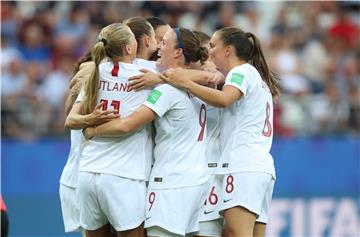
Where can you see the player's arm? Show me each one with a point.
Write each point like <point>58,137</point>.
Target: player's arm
<point>146,80</point>
<point>76,120</point>
<point>197,76</point>
<point>222,99</point>
<point>122,126</point>
<point>149,79</point>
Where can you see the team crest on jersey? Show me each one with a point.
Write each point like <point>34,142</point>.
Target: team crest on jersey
<point>154,96</point>
<point>237,78</point>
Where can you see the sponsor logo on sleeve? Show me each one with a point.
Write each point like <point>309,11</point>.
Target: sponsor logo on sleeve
<point>237,78</point>
<point>154,96</point>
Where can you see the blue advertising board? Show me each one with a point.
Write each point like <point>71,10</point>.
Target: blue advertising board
<point>316,192</point>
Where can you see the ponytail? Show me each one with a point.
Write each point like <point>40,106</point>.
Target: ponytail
<point>112,41</point>
<point>203,54</point>
<point>258,60</point>
<point>191,46</point>
<point>92,85</point>
<point>248,48</point>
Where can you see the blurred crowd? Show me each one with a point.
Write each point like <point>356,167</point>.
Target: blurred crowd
<point>313,47</point>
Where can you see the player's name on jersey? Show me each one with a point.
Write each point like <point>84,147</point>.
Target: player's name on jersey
<point>113,86</point>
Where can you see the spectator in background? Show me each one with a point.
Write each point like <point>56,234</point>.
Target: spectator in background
<point>326,36</point>
<point>55,88</point>
<point>345,30</point>
<point>315,63</point>
<point>32,45</point>
<point>329,112</point>
<point>10,22</point>
<point>24,117</point>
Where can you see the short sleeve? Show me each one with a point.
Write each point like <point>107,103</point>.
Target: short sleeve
<point>239,78</point>
<point>160,99</point>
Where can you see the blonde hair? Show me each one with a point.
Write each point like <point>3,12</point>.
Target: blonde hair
<point>112,41</point>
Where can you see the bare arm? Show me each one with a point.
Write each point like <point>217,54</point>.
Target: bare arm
<point>149,79</point>
<point>76,120</point>
<point>122,126</point>
<point>217,98</point>
<point>146,80</point>
<point>197,76</point>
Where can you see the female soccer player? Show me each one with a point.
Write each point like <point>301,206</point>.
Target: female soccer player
<point>69,176</point>
<point>160,28</point>
<point>211,222</point>
<point>111,186</point>
<point>246,131</point>
<point>178,177</point>
<point>145,37</point>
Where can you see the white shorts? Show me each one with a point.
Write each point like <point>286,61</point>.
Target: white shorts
<point>70,208</point>
<point>107,198</point>
<point>251,190</point>
<point>211,228</point>
<point>174,210</point>
<point>213,199</point>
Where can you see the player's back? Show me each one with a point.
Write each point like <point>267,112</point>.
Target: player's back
<point>124,156</point>
<point>180,139</point>
<point>69,176</point>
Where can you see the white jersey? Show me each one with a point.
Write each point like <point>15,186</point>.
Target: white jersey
<point>69,175</point>
<point>180,139</point>
<point>247,125</point>
<point>213,151</point>
<point>143,63</point>
<point>127,156</point>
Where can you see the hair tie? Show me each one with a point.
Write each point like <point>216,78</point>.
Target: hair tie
<point>104,41</point>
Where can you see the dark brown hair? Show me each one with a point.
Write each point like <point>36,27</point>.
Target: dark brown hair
<point>203,37</point>
<point>191,46</point>
<point>156,22</point>
<point>140,27</point>
<point>248,48</point>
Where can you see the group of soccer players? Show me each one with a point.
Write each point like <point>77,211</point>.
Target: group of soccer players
<point>170,134</point>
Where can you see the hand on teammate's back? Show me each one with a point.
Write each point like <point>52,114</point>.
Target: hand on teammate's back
<point>175,77</point>
<point>100,116</point>
<point>88,132</point>
<point>143,81</point>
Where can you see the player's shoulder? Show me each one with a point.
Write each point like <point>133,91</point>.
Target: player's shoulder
<point>147,64</point>
<point>246,68</point>
<point>109,66</point>
<point>168,91</point>
<point>245,72</point>
<point>165,87</point>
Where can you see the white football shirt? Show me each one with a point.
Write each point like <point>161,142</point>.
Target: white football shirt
<point>69,175</point>
<point>180,139</point>
<point>213,152</point>
<point>247,125</point>
<point>128,156</point>
<point>143,63</point>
